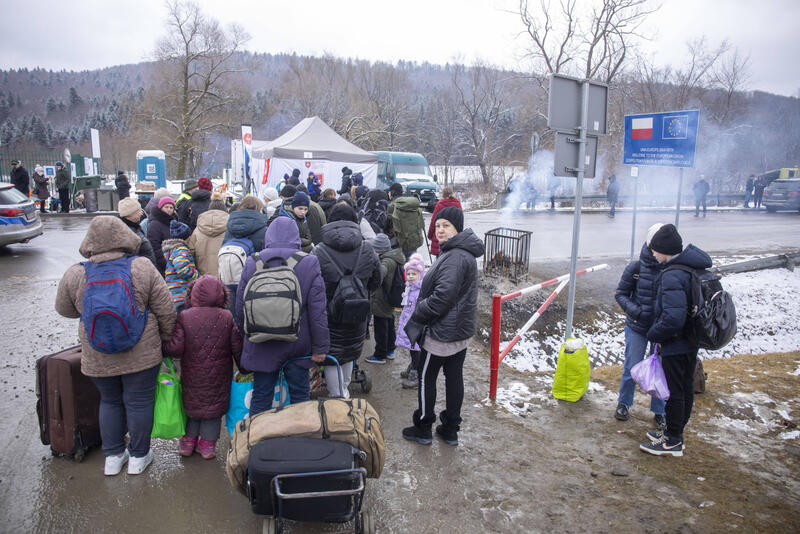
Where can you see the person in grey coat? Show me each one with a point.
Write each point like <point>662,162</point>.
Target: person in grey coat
<point>443,323</point>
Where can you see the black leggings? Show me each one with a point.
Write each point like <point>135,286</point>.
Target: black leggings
<point>429,366</point>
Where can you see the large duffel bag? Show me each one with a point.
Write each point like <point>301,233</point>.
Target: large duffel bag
<point>352,421</point>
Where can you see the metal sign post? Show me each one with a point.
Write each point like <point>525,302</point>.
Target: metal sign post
<point>576,223</point>
<point>635,176</point>
<point>678,206</point>
<point>576,106</point>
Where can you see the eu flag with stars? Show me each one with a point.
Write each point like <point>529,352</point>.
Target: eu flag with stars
<point>675,127</point>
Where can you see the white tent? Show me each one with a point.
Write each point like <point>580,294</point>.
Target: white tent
<point>311,146</point>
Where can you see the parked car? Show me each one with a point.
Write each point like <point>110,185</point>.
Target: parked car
<point>19,220</point>
<point>782,194</point>
<point>410,170</point>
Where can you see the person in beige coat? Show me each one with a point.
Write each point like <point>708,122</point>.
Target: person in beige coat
<point>126,380</point>
<point>206,239</point>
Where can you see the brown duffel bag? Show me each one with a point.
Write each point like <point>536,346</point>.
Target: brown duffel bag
<point>353,421</point>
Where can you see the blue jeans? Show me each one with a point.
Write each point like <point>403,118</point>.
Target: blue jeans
<point>127,400</point>
<point>264,387</point>
<point>635,347</point>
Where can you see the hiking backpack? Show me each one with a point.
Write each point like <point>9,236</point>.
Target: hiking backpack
<point>110,314</point>
<point>712,314</point>
<point>394,296</point>
<point>231,258</point>
<point>350,301</point>
<point>408,226</point>
<point>273,300</point>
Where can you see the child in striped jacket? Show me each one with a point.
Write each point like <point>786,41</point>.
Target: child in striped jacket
<point>180,263</point>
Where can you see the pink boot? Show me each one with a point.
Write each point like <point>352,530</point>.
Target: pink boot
<point>187,445</point>
<point>206,448</point>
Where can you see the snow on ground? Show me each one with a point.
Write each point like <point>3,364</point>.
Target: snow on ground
<point>767,317</point>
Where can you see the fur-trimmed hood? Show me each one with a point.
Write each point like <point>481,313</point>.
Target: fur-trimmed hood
<point>107,234</point>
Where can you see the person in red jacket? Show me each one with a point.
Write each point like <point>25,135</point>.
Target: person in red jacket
<point>447,200</point>
<point>208,342</point>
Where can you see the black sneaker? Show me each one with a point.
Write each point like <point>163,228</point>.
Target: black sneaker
<point>663,448</point>
<point>660,421</point>
<point>448,436</point>
<point>621,414</point>
<point>418,434</point>
<point>655,436</point>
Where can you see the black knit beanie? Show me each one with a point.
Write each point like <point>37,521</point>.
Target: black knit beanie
<point>454,215</point>
<point>666,241</point>
<point>342,212</point>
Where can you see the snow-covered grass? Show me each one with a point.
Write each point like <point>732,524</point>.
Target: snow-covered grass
<point>767,318</point>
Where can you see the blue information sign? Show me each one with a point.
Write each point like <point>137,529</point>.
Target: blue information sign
<point>661,139</point>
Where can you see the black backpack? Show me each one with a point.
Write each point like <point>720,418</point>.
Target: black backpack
<point>394,296</point>
<point>350,301</point>
<point>712,314</point>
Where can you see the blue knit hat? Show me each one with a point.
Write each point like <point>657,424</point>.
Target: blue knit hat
<point>178,230</point>
<point>300,199</point>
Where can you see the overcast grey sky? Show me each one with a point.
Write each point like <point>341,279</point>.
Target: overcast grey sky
<point>89,34</point>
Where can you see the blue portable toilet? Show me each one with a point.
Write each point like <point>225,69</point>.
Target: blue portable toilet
<point>151,166</point>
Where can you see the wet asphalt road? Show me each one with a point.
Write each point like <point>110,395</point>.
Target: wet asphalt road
<point>436,489</point>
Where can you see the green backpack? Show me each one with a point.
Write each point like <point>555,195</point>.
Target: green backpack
<point>407,223</point>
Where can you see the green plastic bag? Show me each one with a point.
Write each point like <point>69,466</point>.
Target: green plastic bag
<point>169,419</point>
<point>572,371</point>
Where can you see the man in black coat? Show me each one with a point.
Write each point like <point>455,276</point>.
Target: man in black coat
<point>123,185</point>
<point>20,178</point>
<point>295,179</point>
<point>701,189</point>
<point>347,181</point>
<point>748,189</point>
<point>668,333</point>
<point>342,250</point>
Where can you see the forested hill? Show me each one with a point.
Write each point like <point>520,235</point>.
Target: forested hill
<point>451,113</point>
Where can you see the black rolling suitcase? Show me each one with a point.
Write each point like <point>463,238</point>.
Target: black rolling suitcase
<point>305,479</point>
<point>68,404</point>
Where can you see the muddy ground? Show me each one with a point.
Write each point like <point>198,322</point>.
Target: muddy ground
<point>527,463</point>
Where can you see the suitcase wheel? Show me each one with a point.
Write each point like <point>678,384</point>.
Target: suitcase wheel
<point>366,384</point>
<point>270,526</point>
<point>367,522</point>
<point>80,455</point>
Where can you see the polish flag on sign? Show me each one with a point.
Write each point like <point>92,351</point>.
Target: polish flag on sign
<point>642,128</point>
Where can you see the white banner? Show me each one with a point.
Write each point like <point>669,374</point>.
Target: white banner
<point>95,143</point>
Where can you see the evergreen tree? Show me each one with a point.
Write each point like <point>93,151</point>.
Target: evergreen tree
<point>74,98</point>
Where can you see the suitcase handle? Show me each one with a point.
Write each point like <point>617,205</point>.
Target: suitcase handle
<point>360,471</point>
<point>327,357</point>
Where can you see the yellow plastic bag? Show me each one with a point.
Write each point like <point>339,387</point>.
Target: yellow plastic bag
<point>572,371</point>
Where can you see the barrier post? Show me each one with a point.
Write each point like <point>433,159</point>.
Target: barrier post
<point>497,304</point>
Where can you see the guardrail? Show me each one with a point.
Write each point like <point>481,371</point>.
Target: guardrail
<point>497,304</point>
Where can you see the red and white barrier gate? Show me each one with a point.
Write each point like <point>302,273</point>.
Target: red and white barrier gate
<point>497,304</point>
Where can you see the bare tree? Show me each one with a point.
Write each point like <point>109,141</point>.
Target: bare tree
<point>483,96</point>
<point>193,87</point>
<point>592,43</point>
<point>441,129</point>
<point>730,76</point>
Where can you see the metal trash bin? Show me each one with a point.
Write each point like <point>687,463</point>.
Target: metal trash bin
<point>90,200</point>
<point>107,198</point>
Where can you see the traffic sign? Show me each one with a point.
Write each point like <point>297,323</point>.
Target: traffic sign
<point>566,156</point>
<point>661,139</point>
<point>564,105</point>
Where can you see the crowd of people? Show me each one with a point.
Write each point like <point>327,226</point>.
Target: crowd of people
<point>353,259</point>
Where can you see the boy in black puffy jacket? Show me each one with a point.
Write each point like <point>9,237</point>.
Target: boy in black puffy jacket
<point>678,355</point>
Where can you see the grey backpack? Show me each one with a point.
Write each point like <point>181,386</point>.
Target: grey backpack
<point>272,300</point>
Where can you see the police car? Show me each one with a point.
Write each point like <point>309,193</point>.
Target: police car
<point>19,220</point>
